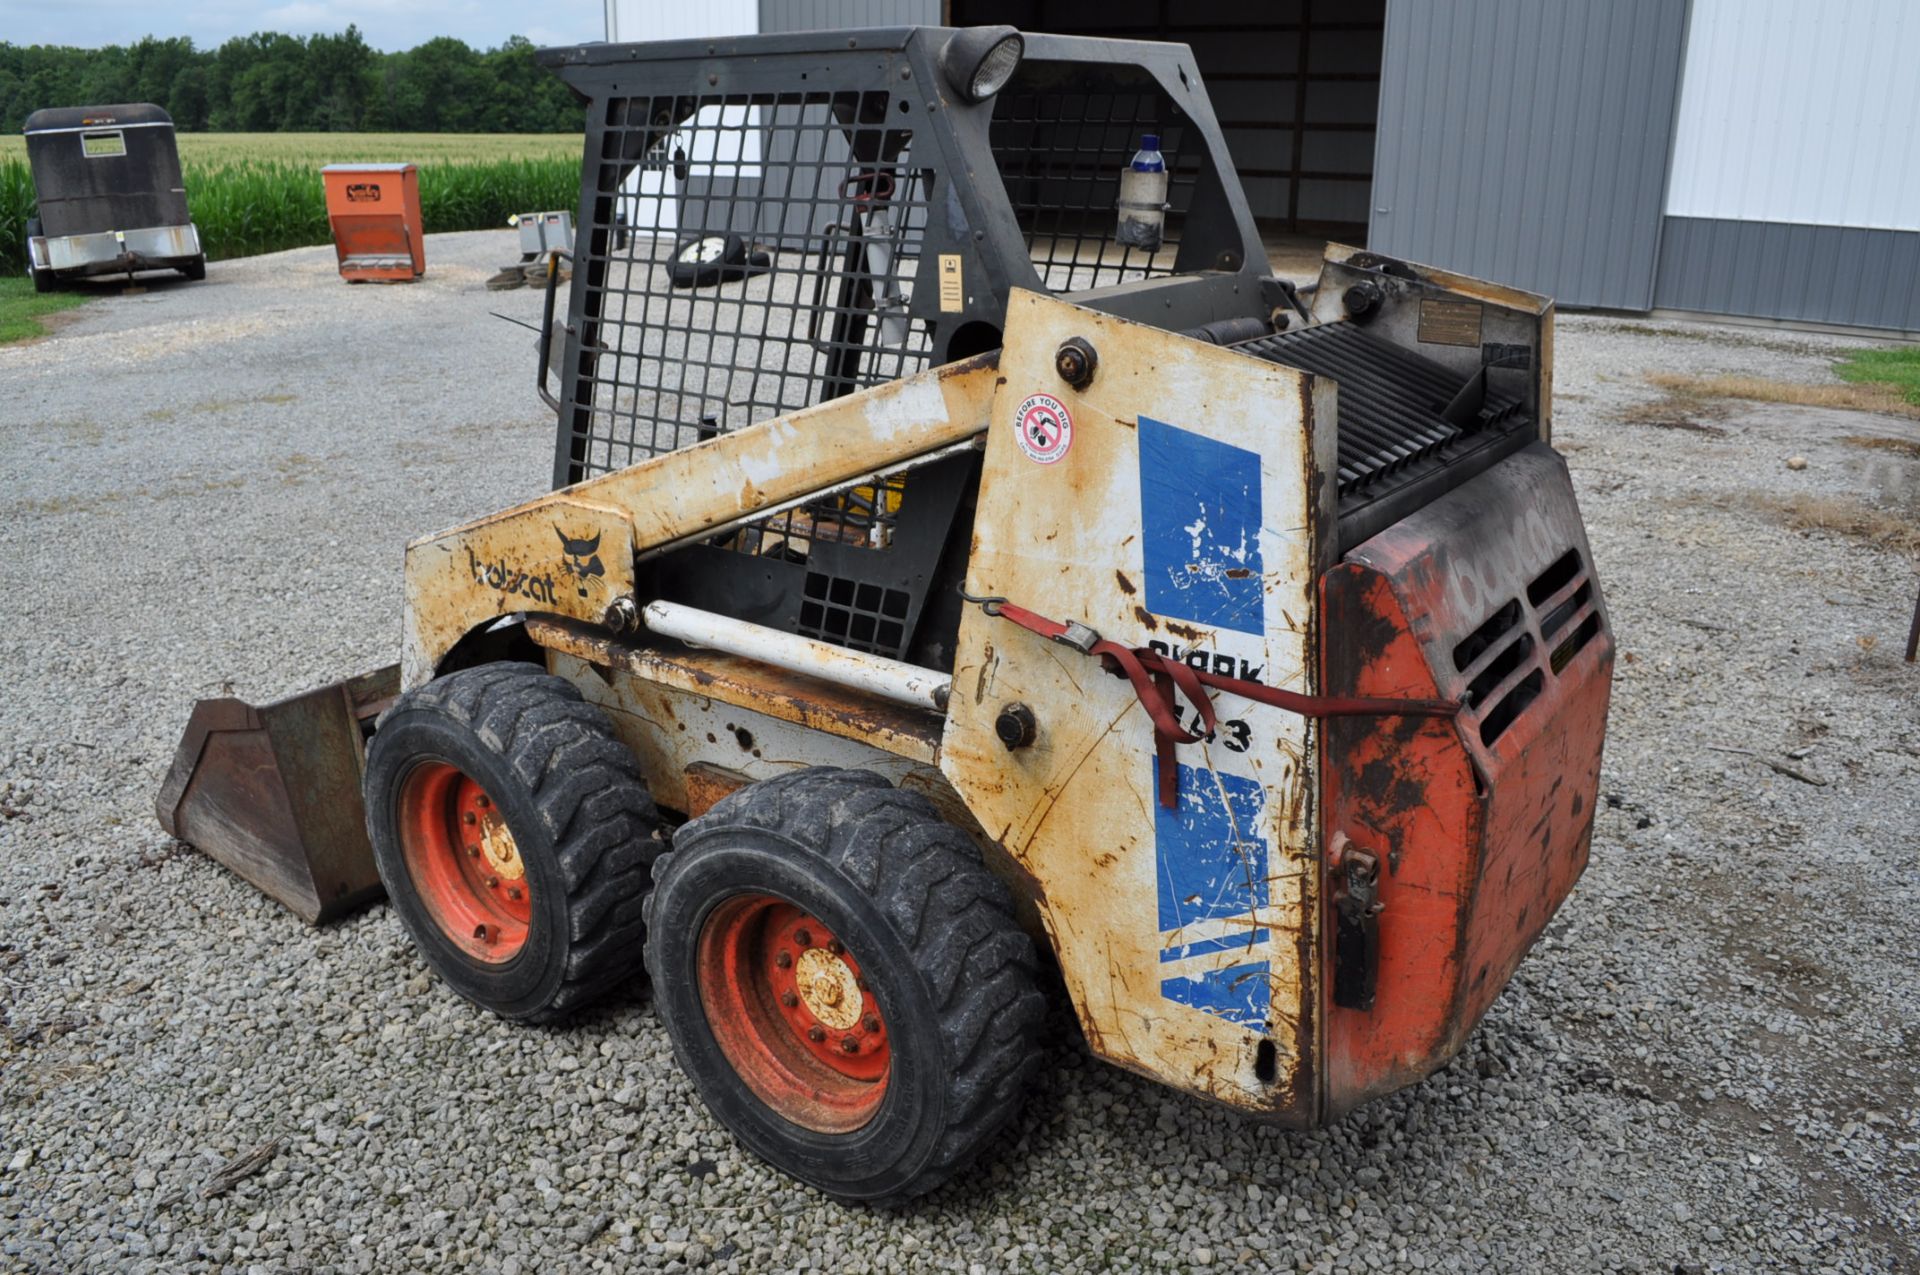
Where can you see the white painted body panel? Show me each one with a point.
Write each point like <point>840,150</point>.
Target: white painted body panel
<point>1186,937</point>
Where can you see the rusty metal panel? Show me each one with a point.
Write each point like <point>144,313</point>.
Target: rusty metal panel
<point>674,730</point>
<point>1181,500</point>
<point>554,557</point>
<point>725,679</point>
<point>273,792</point>
<point>1482,824</point>
<point>708,784</point>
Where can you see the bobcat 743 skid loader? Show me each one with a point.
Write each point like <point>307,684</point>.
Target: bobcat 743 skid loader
<point>930,579</point>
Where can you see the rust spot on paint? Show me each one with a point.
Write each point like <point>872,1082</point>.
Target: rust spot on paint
<point>1146,618</point>
<point>1126,585</point>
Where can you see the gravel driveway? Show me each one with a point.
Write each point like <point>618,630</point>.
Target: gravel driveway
<point>1709,1063</point>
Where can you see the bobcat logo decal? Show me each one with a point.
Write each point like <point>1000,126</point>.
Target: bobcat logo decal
<point>583,558</point>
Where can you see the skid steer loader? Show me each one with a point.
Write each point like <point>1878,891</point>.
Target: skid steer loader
<point>945,582</point>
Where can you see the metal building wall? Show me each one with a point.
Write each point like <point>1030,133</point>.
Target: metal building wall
<point>1794,192</point>
<point>817,15</point>
<point>1527,141</point>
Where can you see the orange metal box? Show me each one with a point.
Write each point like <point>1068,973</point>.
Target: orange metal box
<point>377,229</point>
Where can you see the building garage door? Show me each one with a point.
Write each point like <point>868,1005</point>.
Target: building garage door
<point>1295,84</point>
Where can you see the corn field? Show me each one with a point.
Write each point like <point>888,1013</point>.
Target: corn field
<point>255,193</point>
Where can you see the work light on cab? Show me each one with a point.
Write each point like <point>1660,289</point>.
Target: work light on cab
<point>978,61</point>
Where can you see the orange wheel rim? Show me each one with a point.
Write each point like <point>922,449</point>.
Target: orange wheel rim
<point>465,864</point>
<point>791,1010</point>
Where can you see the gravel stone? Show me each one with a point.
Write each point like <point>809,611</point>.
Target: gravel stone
<point>1709,1062</point>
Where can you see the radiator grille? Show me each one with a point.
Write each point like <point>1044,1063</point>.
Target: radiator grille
<point>1391,400</point>
<point>1501,659</point>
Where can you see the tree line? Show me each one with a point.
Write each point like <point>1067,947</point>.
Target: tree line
<point>270,83</point>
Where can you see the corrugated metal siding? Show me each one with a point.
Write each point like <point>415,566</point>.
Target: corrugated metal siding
<point>1527,140</point>
<point>1794,112</point>
<point>1774,270</point>
<point>825,15</point>
<point>631,20</point>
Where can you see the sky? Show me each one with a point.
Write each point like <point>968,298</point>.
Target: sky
<point>386,26</point>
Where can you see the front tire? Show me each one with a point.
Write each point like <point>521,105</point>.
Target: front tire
<point>514,836</point>
<point>844,983</point>
<point>195,270</point>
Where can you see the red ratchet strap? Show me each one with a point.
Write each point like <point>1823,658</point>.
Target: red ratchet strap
<point>1155,677</point>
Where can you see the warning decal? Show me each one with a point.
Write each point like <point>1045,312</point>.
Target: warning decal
<point>1043,428</point>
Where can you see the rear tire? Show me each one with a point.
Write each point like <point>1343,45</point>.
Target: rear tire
<point>195,270</point>
<point>514,836</point>
<point>896,938</point>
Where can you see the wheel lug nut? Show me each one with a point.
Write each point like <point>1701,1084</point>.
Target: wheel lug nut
<point>850,1045</point>
<point>473,852</point>
<point>871,1023</point>
<point>783,959</point>
<point>469,817</point>
<point>481,801</point>
<point>816,1033</point>
<point>493,883</point>
<point>833,945</point>
<point>513,892</point>
<point>789,999</point>
<point>803,937</point>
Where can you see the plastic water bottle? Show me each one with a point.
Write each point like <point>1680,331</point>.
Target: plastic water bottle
<point>1143,197</point>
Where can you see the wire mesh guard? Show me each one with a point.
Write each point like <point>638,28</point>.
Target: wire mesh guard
<point>758,259</point>
<point>752,254</point>
<point>1060,155</point>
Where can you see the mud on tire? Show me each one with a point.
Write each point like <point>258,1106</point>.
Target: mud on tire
<point>503,774</point>
<point>902,897</point>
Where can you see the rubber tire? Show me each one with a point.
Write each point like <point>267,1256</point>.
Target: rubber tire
<point>195,270</point>
<point>42,282</point>
<point>573,798</point>
<point>683,273</point>
<point>955,976</point>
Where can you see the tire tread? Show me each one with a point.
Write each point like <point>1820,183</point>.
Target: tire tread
<point>927,878</point>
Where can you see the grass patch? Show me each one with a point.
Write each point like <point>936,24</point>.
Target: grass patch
<point>1848,516</point>
<point>1862,397</point>
<point>1673,411</point>
<point>1874,443</point>
<point>1895,368</point>
<point>21,308</point>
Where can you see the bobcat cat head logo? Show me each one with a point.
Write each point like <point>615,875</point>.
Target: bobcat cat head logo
<point>583,558</point>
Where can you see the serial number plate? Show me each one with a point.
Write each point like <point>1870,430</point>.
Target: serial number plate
<point>953,296</point>
<point>1450,322</point>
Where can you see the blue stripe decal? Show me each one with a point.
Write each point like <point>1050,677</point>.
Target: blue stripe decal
<point>1225,943</point>
<point>1204,874</point>
<point>1200,528</point>
<point>1241,994</point>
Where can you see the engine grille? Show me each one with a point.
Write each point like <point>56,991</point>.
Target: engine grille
<point>1392,402</point>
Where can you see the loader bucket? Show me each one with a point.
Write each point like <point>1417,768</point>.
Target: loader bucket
<point>273,792</point>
